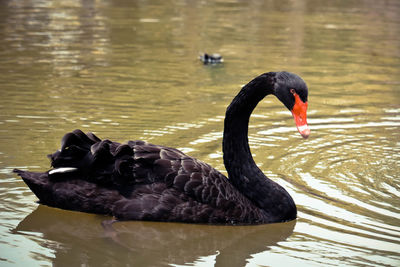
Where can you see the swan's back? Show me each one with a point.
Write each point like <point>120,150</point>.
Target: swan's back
<point>138,181</point>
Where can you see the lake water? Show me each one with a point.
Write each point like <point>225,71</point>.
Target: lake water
<point>129,70</point>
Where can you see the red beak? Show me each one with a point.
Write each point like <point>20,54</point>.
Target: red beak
<point>299,113</point>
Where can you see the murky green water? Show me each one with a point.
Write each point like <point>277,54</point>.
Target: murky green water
<point>129,70</point>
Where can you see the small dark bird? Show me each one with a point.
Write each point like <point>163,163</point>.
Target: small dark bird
<point>211,58</point>
<point>141,181</point>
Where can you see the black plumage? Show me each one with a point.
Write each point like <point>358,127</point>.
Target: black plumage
<point>142,181</point>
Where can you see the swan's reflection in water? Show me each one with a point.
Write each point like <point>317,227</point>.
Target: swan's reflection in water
<point>81,240</point>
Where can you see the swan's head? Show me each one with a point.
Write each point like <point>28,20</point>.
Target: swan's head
<point>292,91</point>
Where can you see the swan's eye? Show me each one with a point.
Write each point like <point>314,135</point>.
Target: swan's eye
<point>301,94</point>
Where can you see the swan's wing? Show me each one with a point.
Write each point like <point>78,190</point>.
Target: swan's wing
<point>170,183</point>
<point>187,175</point>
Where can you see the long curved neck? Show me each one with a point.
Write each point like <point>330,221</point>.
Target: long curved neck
<point>242,170</point>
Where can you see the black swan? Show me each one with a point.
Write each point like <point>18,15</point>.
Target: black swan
<point>142,181</point>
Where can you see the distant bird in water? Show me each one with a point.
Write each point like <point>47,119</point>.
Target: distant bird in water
<point>141,181</point>
<point>211,58</point>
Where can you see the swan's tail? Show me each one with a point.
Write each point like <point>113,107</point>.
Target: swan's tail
<point>86,157</point>
<point>57,191</point>
<point>84,164</point>
<point>31,178</point>
<point>38,182</point>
